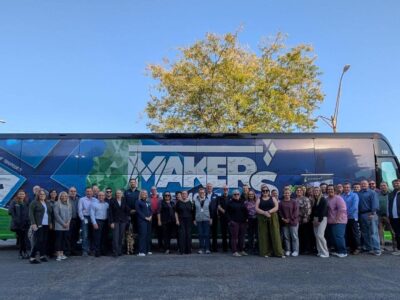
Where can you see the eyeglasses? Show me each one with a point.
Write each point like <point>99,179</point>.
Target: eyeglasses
<point>108,191</point>
<point>236,194</point>
<point>265,191</point>
<point>167,195</point>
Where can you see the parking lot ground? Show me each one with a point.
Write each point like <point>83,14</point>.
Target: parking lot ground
<point>215,276</point>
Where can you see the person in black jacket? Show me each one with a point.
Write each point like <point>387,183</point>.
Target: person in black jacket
<point>119,217</point>
<point>144,216</point>
<point>222,202</point>
<point>184,216</point>
<point>319,216</point>
<point>394,212</point>
<point>40,217</point>
<point>236,214</point>
<point>131,196</point>
<point>213,215</point>
<point>166,220</point>
<point>19,211</point>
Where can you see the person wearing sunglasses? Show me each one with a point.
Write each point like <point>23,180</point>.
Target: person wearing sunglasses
<point>269,238</point>
<point>236,213</point>
<point>166,220</point>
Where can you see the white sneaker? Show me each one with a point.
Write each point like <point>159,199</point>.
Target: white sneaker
<point>342,255</point>
<point>243,253</point>
<point>208,252</point>
<point>236,254</point>
<point>323,256</point>
<point>334,254</point>
<point>200,252</point>
<point>149,253</point>
<point>141,254</point>
<point>295,253</point>
<point>63,257</point>
<point>287,253</point>
<point>397,252</point>
<point>58,258</point>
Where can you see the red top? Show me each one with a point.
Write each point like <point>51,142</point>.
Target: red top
<point>154,203</point>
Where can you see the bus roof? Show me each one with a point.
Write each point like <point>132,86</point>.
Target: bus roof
<point>347,135</point>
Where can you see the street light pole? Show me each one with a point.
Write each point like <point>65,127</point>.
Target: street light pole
<point>332,121</point>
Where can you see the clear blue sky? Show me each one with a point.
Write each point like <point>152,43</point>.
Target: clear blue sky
<point>79,66</point>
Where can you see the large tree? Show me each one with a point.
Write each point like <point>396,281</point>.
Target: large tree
<point>218,85</point>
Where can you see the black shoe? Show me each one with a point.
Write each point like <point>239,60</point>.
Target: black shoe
<point>97,255</point>
<point>44,259</point>
<point>34,261</point>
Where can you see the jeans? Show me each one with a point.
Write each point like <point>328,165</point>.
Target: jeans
<point>203,228</point>
<point>338,237</point>
<point>369,231</point>
<point>144,231</point>
<point>291,238</point>
<point>86,224</point>
<point>100,236</point>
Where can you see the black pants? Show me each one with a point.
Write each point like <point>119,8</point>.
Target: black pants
<point>396,228</point>
<point>167,232</point>
<point>252,234</point>
<point>158,231</point>
<point>214,234</point>
<point>40,241</point>
<point>224,232</point>
<point>73,236</point>
<point>22,236</point>
<point>100,236</point>
<point>307,243</point>
<point>61,240</point>
<point>185,235</point>
<point>353,234</point>
<point>118,235</point>
<point>51,242</point>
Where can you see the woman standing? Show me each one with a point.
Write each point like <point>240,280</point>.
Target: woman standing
<point>40,217</point>
<point>203,220</point>
<point>319,216</point>
<point>269,238</point>
<point>19,211</point>
<point>236,214</point>
<point>306,231</point>
<point>144,216</point>
<point>252,225</point>
<point>119,213</point>
<point>166,220</point>
<point>62,216</point>
<point>184,216</point>
<point>289,213</point>
<point>337,220</point>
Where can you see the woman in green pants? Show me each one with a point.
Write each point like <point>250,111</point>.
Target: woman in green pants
<point>269,237</point>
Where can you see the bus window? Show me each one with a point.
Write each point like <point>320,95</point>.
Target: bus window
<point>388,170</point>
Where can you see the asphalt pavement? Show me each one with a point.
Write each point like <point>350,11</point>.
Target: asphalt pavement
<point>215,276</point>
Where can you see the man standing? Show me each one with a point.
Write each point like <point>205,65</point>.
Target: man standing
<point>368,208</point>
<point>222,203</point>
<point>394,212</point>
<point>352,227</point>
<point>84,215</point>
<point>212,197</point>
<point>131,195</point>
<point>98,217</point>
<point>75,223</point>
<point>384,221</point>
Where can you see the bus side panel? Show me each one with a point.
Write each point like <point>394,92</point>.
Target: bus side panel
<point>345,159</point>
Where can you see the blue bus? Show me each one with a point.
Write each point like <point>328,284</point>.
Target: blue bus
<point>175,162</point>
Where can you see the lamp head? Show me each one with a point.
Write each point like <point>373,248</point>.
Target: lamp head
<point>346,67</point>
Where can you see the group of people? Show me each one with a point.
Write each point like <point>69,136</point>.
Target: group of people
<point>324,220</point>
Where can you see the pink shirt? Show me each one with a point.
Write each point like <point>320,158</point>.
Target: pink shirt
<point>337,211</point>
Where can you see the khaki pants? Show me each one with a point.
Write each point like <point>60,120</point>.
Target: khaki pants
<point>319,232</point>
<point>269,238</point>
<point>385,223</point>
